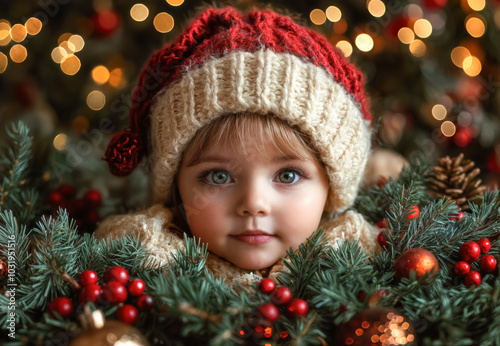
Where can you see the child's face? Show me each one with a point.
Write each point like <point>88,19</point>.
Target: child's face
<point>250,208</point>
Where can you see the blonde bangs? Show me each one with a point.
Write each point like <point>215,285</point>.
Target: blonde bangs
<point>251,131</point>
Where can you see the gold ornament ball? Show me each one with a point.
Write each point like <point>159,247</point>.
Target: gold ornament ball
<point>418,260</point>
<point>373,327</point>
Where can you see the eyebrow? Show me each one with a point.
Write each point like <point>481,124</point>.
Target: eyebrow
<point>222,159</point>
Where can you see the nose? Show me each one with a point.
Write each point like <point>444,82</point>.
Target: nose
<point>254,199</point>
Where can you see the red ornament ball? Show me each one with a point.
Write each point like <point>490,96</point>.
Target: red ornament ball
<point>434,4</point>
<point>106,23</point>
<point>281,296</point>
<point>488,264</point>
<point>414,212</point>
<point>463,136</point>
<point>114,292</point>
<point>90,293</point>
<point>469,251</point>
<point>484,244</point>
<point>383,223</point>
<point>62,305</point>
<point>128,314</point>
<point>473,278</point>
<point>116,273</point>
<point>136,287</point>
<point>382,241</point>
<point>298,307</point>
<point>462,268</point>
<point>144,302</point>
<point>88,277</point>
<point>417,260</point>
<point>266,286</point>
<point>269,312</point>
<point>93,198</point>
<point>67,190</point>
<point>493,162</point>
<point>55,199</point>
<point>456,217</point>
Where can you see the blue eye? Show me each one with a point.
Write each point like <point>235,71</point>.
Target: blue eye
<point>217,177</point>
<point>288,177</point>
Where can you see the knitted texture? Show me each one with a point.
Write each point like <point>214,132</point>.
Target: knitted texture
<point>262,62</point>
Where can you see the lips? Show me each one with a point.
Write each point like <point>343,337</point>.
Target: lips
<point>253,237</point>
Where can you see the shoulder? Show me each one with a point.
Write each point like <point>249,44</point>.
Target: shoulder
<point>153,226</point>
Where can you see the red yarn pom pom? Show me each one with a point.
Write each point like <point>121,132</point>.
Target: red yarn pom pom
<point>124,153</point>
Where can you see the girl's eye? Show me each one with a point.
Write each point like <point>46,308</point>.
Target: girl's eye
<point>288,177</point>
<point>217,177</point>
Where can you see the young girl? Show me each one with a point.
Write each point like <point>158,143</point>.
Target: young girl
<point>257,131</point>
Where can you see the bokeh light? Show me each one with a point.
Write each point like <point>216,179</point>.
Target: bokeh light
<point>422,28</point>
<point>448,129</point>
<point>318,16</point>
<point>96,100</point>
<point>475,26</point>
<point>116,78</point>
<point>18,53</point>
<point>333,14</point>
<point>472,66</point>
<point>58,54</point>
<point>33,26</point>
<point>4,61</point>
<point>406,35</point>
<point>163,22</point>
<point>458,55</point>
<point>68,47</point>
<point>175,2</point>
<point>376,8</point>
<point>477,5</point>
<point>345,47</point>
<point>100,74</point>
<point>414,11</point>
<point>18,33</point>
<point>139,12</point>
<point>364,42</point>
<point>4,33</point>
<point>71,65</point>
<point>77,42</point>
<point>418,48</point>
<point>439,111</point>
<point>60,142</point>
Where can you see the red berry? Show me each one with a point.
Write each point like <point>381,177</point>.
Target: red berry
<point>127,313</point>
<point>92,198</point>
<point>382,241</point>
<point>382,223</point>
<point>67,190</point>
<point>136,287</point>
<point>462,268</point>
<point>484,244</point>
<point>145,302</point>
<point>88,277</point>
<point>90,293</point>
<point>414,212</point>
<point>473,278</point>
<point>116,274</point>
<point>266,286</point>
<point>281,296</point>
<point>298,307</point>
<point>456,217</point>
<point>62,305</point>
<point>114,292</point>
<point>269,312</point>
<point>469,251</point>
<point>487,264</point>
<point>55,199</point>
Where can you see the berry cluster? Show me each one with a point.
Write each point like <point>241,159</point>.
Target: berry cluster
<point>280,297</point>
<point>82,210</point>
<point>470,252</point>
<point>383,224</point>
<point>117,289</point>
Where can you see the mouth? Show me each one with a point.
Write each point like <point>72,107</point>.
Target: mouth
<point>253,237</point>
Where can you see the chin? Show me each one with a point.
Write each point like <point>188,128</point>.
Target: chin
<point>254,265</point>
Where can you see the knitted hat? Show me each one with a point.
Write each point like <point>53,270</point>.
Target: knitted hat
<point>227,62</point>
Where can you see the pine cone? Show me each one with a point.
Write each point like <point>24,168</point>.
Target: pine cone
<point>456,178</point>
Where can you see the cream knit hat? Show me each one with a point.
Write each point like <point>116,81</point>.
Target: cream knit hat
<point>262,63</point>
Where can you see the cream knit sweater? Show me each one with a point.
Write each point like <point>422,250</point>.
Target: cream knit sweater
<point>154,228</point>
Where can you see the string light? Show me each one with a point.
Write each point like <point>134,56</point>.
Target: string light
<point>77,42</point>
<point>175,2</point>
<point>406,35</point>
<point>163,22</point>
<point>364,42</point>
<point>18,53</point>
<point>4,61</point>
<point>317,16</point>
<point>100,74</point>
<point>458,55</point>
<point>139,12</point>
<point>333,14</point>
<point>475,26</point>
<point>18,33</point>
<point>96,100</point>
<point>422,28</point>
<point>345,47</point>
<point>448,129</point>
<point>71,65</point>
<point>418,48</point>
<point>33,26</point>
<point>376,8</point>
<point>477,5</point>
<point>472,66</point>
<point>439,111</point>
<point>60,142</point>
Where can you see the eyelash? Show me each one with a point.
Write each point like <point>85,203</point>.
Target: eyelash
<point>294,168</point>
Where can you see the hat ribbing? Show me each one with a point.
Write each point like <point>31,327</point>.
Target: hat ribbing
<point>264,63</point>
